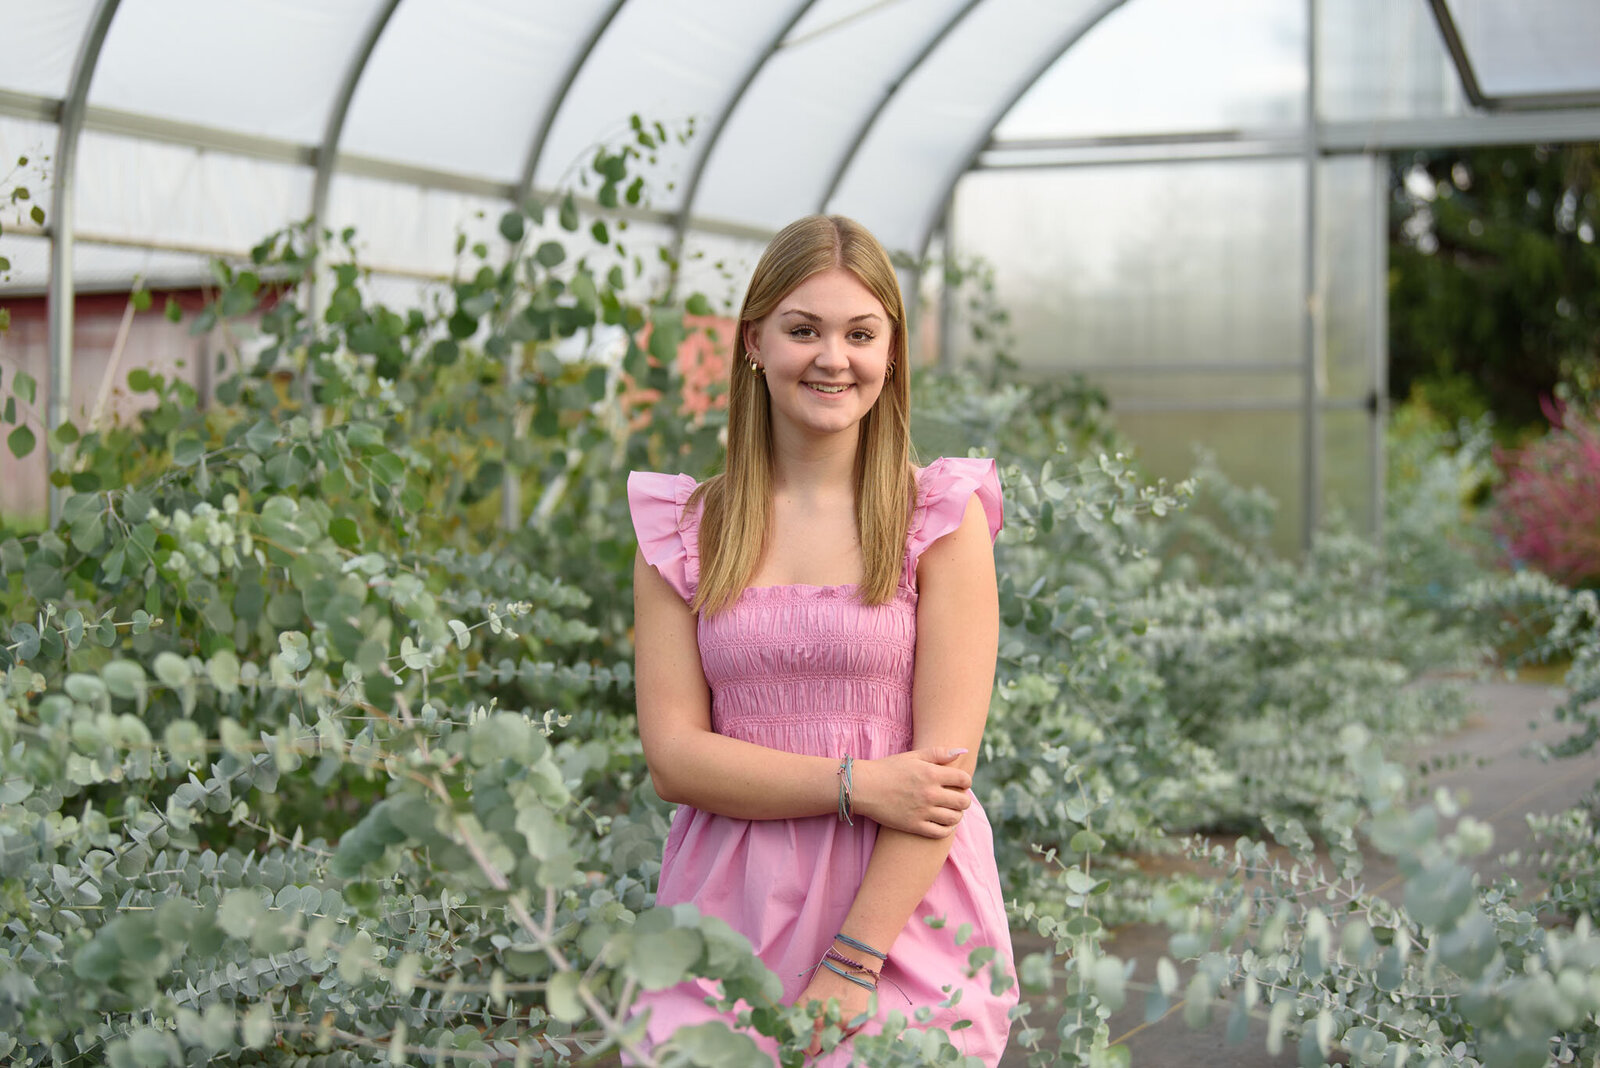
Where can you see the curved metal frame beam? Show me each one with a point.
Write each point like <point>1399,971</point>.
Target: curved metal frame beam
<point>328,152</point>
<point>871,119</point>
<point>942,202</point>
<point>1458,55</point>
<point>692,187</point>
<point>536,148</point>
<point>62,298</point>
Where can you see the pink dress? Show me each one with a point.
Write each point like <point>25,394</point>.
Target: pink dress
<point>809,669</point>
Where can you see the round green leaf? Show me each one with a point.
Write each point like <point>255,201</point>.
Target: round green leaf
<point>124,678</point>
<point>660,958</point>
<point>21,441</point>
<point>561,997</point>
<point>223,668</point>
<point>550,253</point>
<point>344,532</point>
<point>187,451</point>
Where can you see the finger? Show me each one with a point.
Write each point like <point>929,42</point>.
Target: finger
<point>953,778</point>
<point>944,754</point>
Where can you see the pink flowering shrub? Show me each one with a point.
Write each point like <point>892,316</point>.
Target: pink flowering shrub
<point>1548,509</point>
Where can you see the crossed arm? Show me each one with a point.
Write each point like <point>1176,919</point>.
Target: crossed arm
<point>917,798</point>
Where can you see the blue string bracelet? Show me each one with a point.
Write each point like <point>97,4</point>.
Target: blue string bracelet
<point>845,773</point>
<point>856,979</point>
<point>845,939</point>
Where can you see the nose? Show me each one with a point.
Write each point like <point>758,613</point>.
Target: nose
<point>831,356</point>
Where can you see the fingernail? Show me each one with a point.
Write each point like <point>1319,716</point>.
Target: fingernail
<point>960,752</point>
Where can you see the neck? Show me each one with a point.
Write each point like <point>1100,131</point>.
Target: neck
<point>814,466</point>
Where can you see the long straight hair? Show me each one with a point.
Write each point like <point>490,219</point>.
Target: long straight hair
<point>738,503</point>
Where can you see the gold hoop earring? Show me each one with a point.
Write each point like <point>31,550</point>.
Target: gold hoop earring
<point>889,371</point>
<point>756,368</point>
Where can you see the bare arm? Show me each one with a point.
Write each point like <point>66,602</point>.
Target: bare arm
<point>958,628</point>
<point>921,792</point>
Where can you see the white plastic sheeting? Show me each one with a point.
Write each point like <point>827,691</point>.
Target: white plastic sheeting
<point>215,111</point>
<point>462,87</point>
<point>1215,283</point>
<point>1531,47</point>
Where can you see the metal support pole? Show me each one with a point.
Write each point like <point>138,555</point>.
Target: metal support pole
<point>63,293</point>
<point>1378,316</point>
<point>530,164</point>
<point>940,205</point>
<point>1311,413</point>
<point>697,168</point>
<point>948,295</point>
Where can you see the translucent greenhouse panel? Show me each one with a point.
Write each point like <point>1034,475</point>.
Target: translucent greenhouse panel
<point>401,291</point>
<point>36,141</point>
<point>1168,389</point>
<point>184,198</point>
<point>1531,47</point>
<point>42,44</point>
<point>1354,250</point>
<point>718,266</point>
<point>30,267</point>
<point>1347,469</point>
<point>942,113</point>
<point>1384,60</point>
<point>114,267</point>
<point>802,114</point>
<point>406,229</point>
<point>270,67</point>
<point>1149,267</point>
<point>505,60</point>
<point>1160,66</point>
<point>1253,449</point>
<point>668,61</point>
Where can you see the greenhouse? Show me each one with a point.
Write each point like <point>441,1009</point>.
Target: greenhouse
<point>329,330</point>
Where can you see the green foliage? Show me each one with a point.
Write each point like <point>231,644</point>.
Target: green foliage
<point>308,756</point>
<point>1495,277</point>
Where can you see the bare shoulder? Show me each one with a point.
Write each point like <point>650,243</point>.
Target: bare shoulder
<point>964,555</point>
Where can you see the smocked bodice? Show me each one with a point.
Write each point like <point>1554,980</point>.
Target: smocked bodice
<point>797,666</point>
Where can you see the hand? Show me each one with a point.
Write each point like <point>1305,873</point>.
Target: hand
<point>853,1000</point>
<point>919,792</point>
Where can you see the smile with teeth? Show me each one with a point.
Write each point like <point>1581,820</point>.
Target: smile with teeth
<point>821,387</point>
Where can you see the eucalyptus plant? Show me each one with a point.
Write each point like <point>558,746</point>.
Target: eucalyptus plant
<point>308,756</point>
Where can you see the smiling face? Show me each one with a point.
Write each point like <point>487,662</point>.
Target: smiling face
<point>825,348</point>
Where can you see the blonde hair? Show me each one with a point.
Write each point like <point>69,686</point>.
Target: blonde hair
<point>738,503</point>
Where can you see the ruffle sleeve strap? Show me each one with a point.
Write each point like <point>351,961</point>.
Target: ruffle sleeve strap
<point>668,533</point>
<point>943,490</point>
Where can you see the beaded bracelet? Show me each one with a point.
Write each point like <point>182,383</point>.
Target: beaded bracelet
<point>834,954</point>
<point>845,773</point>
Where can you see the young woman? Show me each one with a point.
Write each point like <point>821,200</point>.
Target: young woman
<point>816,633</point>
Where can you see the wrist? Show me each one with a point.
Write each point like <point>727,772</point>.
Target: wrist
<point>863,798</point>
